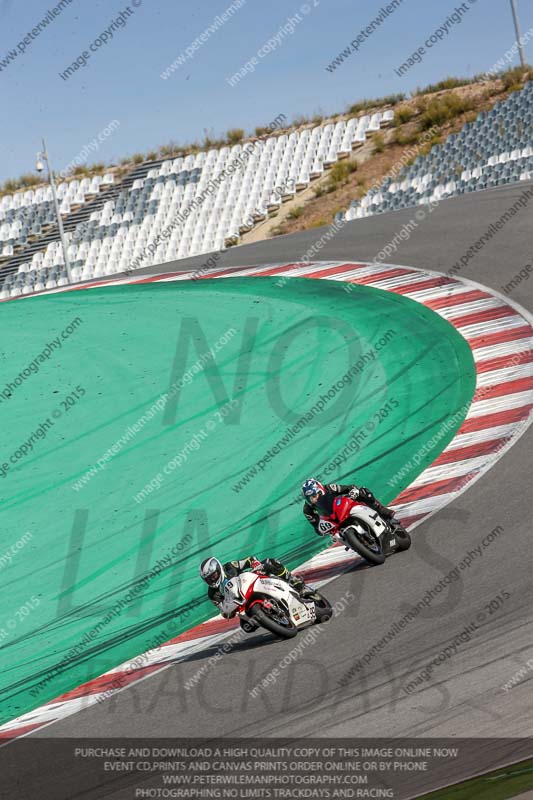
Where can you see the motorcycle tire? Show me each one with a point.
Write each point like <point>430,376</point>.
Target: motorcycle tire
<point>352,539</point>
<point>403,539</point>
<point>262,618</point>
<point>324,610</point>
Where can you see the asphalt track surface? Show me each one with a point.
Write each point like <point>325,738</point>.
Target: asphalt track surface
<point>464,697</point>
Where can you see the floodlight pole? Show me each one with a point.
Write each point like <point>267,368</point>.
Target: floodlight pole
<point>46,157</point>
<point>518,34</point>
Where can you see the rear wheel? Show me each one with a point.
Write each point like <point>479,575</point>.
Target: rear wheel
<point>403,539</point>
<point>365,543</point>
<point>323,608</point>
<point>274,619</point>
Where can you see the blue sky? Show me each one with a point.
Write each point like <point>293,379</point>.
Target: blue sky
<point>122,78</point>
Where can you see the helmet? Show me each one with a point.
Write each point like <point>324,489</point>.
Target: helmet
<point>312,488</point>
<point>212,571</point>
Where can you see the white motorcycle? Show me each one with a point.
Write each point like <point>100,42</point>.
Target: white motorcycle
<point>272,603</point>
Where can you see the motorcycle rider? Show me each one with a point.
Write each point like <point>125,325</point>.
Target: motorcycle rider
<point>319,500</point>
<point>215,574</point>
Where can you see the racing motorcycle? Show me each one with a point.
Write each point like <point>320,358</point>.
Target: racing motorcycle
<point>363,530</point>
<point>272,603</point>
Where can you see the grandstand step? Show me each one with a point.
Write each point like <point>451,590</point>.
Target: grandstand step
<point>50,233</point>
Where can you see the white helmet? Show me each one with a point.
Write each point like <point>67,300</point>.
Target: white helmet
<point>212,571</point>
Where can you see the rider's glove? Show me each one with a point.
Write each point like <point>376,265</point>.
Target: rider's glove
<point>353,494</point>
<point>366,495</point>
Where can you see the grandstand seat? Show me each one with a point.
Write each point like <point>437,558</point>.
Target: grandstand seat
<point>132,214</point>
<point>491,151</point>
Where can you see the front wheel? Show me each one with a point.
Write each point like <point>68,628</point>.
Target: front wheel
<point>275,621</point>
<point>366,544</point>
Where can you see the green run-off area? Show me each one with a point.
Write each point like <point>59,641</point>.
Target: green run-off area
<point>512,781</point>
<point>176,420</point>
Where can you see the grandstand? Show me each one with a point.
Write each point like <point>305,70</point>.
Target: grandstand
<point>495,149</point>
<point>173,208</point>
<point>109,226</point>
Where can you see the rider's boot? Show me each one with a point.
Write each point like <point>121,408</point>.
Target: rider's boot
<point>296,582</point>
<point>372,502</point>
<point>305,592</point>
<point>383,511</point>
<point>274,567</point>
